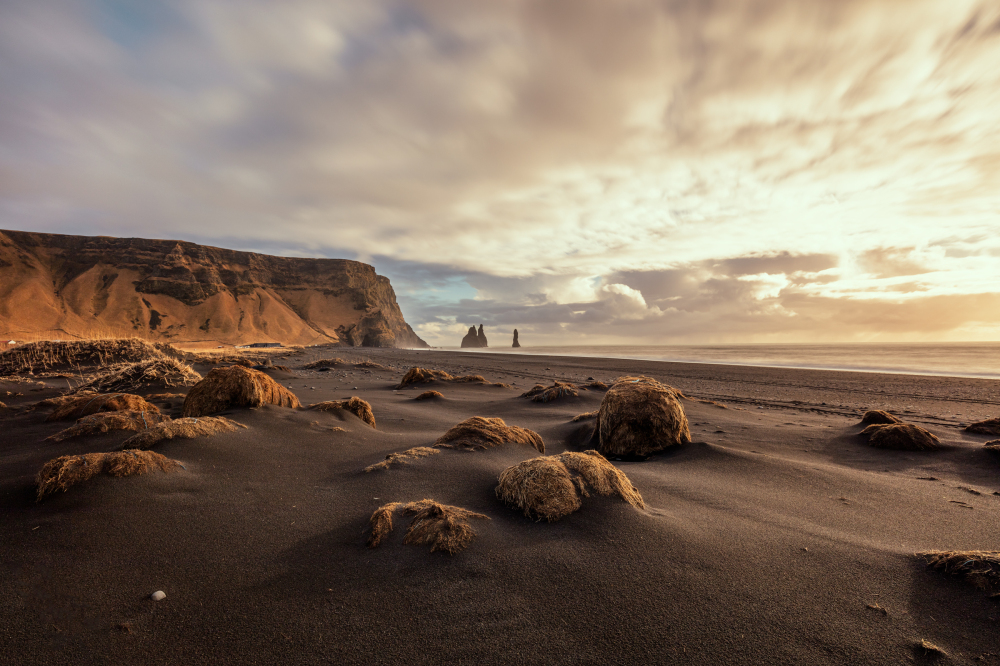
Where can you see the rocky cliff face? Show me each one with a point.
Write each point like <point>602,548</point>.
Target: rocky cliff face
<point>76,286</point>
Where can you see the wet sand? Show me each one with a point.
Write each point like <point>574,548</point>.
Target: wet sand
<point>777,536</point>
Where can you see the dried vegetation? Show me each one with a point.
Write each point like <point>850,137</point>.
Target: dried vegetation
<point>640,416</point>
<point>900,437</point>
<point>988,427</point>
<point>551,487</point>
<point>430,395</point>
<point>540,393</point>
<point>423,376</point>
<point>75,407</point>
<point>440,526</point>
<point>103,422</point>
<point>878,417</point>
<point>236,386</point>
<point>64,472</point>
<point>355,405</point>
<point>403,457</point>
<point>479,433</point>
<point>184,428</point>
<point>35,357</point>
<point>162,373</point>
<point>980,567</point>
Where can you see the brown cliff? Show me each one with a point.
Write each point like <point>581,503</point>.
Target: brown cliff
<point>62,286</point>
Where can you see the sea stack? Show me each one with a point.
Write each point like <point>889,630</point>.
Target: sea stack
<point>482,337</point>
<point>471,339</point>
<point>516,343</point>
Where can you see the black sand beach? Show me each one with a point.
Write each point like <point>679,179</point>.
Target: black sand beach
<point>776,536</point>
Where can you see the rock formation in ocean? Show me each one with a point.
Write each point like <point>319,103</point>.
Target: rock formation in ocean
<point>471,339</point>
<point>482,337</point>
<point>67,287</point>
<point>516,343</point>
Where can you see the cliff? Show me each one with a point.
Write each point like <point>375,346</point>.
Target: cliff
<point>75,286</point>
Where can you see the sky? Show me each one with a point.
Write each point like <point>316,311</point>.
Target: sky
<point>586,171</point>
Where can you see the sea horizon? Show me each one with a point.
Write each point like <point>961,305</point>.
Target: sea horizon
<point>974,360</point>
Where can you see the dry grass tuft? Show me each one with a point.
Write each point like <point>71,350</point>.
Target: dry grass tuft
<point>354,405</point>
<point>103,422</point>
<point>74,407</point>
<point>67,471</point>
<point>324,363</point>
<point>900,437</point>
<point>430,395</point>
<point>993,446</point>
<point>166,373</point>
<point>185,428</point>
<point>877,416</point>
<point>423,375</point>
<point>988,427</point>
<point>640,416</point>
<point>370,364</point>
<point>540,393</point>
<point>551,487</point>
<point>43,356</point>
<point>440,526</point>
<point>479,433</point>
<point>403,457</point>
<point>236,386</point>
<point>596,385</point>
<point>584,416</point>
<point>165,396</point>
<point>980,567</point>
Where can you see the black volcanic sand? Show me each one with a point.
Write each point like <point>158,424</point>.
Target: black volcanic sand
<point>778,536</point>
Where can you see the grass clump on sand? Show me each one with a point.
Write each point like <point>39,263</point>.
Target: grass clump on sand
<point>370,364</point>
<point>980,567</point>
<point>354,405</point>
<point>184,428</point>
<point>403,457</point>
<point>75,407</point>
<point>584,416</point>
<point>324,363</point>
<point>988,427</point>
<point>878,417</point>
<point>551,487</point>
<point>164,372</point>
<point>993,446</point>
<point>103,422</point>
<point>596,385</point>
<point>900,437</point>
<point>440,526</point>
<point>478,433</point>
<point>66,471</point>
<point>430,395</point>
<point>540,393</point>
<point>640,416</point>
<point>236,386</point>
<point>423,375</point>
<point>43,356</point>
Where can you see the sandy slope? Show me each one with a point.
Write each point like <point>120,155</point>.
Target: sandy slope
<point>776,537</point>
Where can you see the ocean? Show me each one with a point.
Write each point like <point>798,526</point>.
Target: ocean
<point>956,359</point>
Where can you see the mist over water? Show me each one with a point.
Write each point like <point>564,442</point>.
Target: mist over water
<point>964,359</point>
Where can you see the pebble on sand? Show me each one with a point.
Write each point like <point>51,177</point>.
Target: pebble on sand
<point>159,595</point>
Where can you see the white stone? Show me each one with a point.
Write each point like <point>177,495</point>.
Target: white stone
<point>159,595</point>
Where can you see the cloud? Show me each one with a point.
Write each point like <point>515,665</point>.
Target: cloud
<point>721,160</point>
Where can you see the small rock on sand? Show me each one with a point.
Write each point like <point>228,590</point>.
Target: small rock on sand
<point>159,595</point>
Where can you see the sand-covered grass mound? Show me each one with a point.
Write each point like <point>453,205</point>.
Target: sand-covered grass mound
<point>980,567</point>
<point>354,405</point>
<point>900,437</point>
<point>45,356</point>
<point>596,385</point>
<point>75,407</point>
<point>67,471</point>
<point>478,433</point>
<point>551,487</point>
<point>423,376</point>
<point>371,365</point>
<point>430,395</point>
<point>987,427</point>
<point>878,417</point>
<point>541,393</point>
<point>640,416</point>
<point>236,386</point>
<point>102,422</point>
<point>584,417</point>
<point>440,526</point>
<point>125,377</point>
<point>324,363</point>
<point>403,457</point>
<point>184,428</point>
